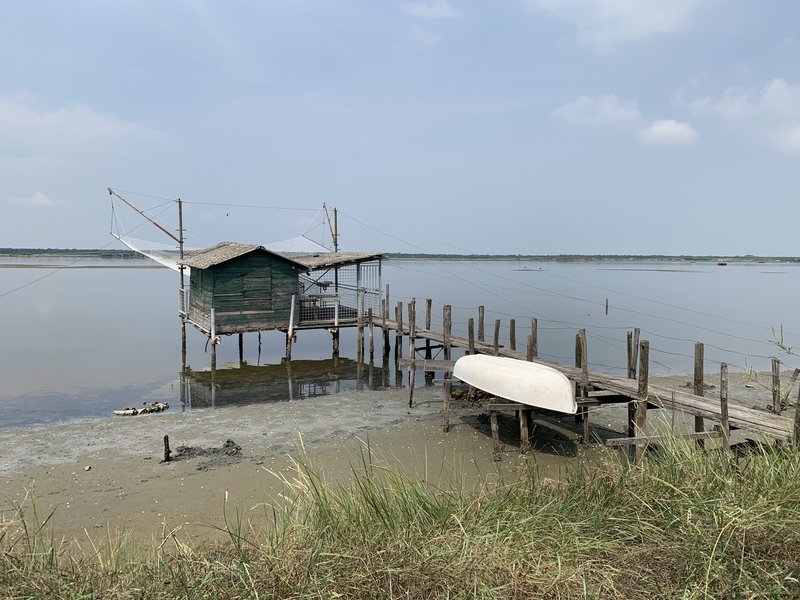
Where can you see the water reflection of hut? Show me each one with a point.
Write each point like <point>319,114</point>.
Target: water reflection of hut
<point>239,288</point>
<point>250,384</point>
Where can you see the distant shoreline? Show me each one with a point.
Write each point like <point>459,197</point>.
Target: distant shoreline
<point>563,258</point>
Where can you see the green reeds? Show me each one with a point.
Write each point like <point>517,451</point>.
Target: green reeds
<point>687,524</point>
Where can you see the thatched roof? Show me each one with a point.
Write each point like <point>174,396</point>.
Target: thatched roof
<point>225,251</point>
<point>334,259</point>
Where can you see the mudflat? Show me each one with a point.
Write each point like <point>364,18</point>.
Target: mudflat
<point>107,474</point>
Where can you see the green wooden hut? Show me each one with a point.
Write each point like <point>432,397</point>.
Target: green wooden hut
<point>237,288</point>
<point>234,288</point>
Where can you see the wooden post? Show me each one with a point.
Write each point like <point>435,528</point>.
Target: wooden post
<point>498,452</point>
<point>631,367</point>
<point>699,367</point>
<point>335,341</point>
<point>428,308</point>
<point>533,340</point>
<point>606,305</point>
<point>447,315</point>
<point>412,376</point>
<point>480,324</point>
<point>446,412</point>
<point>524,430</point>
<point>531,349</point>
<point>723,407</point>
<point>167,451</point>
<point>290,330</point>
<point>641,404</point>
<point>776,386</point>
<point>398,338</point>
<point>360,326</point>
<point>633,352</point>
<point>371,335</point>
<point>797,421</point>
<point>412,329</point>
<point>385,313</point>
<point>512,334</point>
<point>241,350</point>
<point>582,361</point>
<point>497,337</point>
<point>471,336</point>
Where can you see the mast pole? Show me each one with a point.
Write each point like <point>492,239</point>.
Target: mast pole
<point>335,229</point>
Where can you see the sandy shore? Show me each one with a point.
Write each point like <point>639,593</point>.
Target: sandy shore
<point>107,473</point>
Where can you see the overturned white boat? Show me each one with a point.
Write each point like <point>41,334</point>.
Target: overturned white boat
<point>528,383</point>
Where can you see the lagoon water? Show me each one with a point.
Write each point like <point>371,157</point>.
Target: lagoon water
<point>80,342</point>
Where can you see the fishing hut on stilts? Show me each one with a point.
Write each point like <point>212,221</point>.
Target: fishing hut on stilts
<point>236,288</point>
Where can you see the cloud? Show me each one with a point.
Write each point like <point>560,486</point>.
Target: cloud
<point>668,132</point>
<point>771,112</point>
<point>604,109</point>
<point>608,110</point>
<point>37,200</point>
<point>604,24</point>
<point>26,129</point>
<point>436,9</point>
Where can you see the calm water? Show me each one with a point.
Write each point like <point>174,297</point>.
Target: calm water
<point>82,342</point>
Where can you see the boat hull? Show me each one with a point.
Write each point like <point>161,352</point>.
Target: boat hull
<point>528,383</point>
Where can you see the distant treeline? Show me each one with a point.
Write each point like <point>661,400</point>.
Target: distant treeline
<point>596,257</point>
<point>747,258</point>
<point>79,252</point>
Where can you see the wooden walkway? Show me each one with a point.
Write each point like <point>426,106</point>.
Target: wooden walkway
<point>602,388</point>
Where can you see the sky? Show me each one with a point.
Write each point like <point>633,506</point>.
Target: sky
<point>494,126</point>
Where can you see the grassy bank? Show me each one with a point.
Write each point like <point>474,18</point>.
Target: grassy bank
<point>687,525</point>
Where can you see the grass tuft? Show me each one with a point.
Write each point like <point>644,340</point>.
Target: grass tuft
<point>688,524</point>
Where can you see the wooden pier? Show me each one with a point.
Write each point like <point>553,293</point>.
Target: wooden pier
<point>592,388</point>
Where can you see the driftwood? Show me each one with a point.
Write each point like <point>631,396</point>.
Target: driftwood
<point>153,408</point>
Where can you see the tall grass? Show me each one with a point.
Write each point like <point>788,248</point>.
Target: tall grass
<point>686,525</point>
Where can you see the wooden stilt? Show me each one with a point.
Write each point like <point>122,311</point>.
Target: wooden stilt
<point>633,353</point>
<point>497,337</point>
<point>447,319</point>
<point>699,368</point>
<point>241,350</point>
<point>335,341</point>
<point>385,315</point>
<point>289,337</point>
<point>641,404</point>
<point>797,421</point>
<point>429,375</point>
<point>371,335</point>
<point>533,340</point>
<point>723,407</point>
<point>360,327</point>
<point>498,451</point>
<point>412,329</point>
<point>524,430</point>
<point>584,366</point>
<point>512,334</point>
<point>398,338</point>
<point>446,409</point>
<point>412,376</point>
<point>776,386</point>
<point>480,323</point>
<point>471,336</point>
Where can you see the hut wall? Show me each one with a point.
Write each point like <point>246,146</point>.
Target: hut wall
<point>253,292</point>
